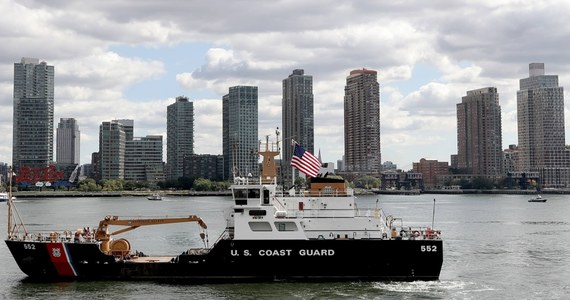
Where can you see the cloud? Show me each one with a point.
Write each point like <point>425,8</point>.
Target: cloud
<point>468,46</point>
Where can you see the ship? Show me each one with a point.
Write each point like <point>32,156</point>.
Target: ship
<point>315,233</point>
<point>155,197</point>
<point>538,198</point>
<point>4,197</point>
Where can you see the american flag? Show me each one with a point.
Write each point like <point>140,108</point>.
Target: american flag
<point>305,162</point>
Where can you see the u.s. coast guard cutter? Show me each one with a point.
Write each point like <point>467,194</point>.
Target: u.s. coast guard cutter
<point>317,234</point>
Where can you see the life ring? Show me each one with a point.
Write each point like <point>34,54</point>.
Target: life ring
<point>416,233</point>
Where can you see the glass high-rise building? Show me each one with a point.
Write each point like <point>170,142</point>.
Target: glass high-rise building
<point>541,133</point>
<point>240,133</point>
<point>67,142</point>
<point>179,136</point>
<point>479,133</point>
<point>33,114</point>
<point>298,119</point>
<point>362,123</point>
<point>540,117</point>
<point>112,146</point>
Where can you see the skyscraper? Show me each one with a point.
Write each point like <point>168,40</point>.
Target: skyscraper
<point>67,142</point>
<point>33,114</point>
<point>297,118</point>
<point>239,126</point>
<point>541,134</point>
<point>180,136</point>
<point>479,133</point>
<point>112,144</point>
<point>362,123</point>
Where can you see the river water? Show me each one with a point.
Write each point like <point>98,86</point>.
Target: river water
<point>495,247</point>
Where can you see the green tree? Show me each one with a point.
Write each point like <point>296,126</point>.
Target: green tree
<point>202,184</point>
<point>367,182</point>
<point>185,183</point>
<point>221,185</point>
<point>168,184</point>
<point>483,183</point>
<point>112,184</point>
<point>464,184</point>
<point>135,185</point>
<point>88,185</point>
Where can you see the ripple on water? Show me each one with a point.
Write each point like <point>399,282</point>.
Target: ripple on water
<point>432,289</point>
<point>547,223</point>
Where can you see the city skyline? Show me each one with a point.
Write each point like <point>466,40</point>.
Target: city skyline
<point>136,59</point>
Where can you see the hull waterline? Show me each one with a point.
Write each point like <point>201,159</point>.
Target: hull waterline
<point>229,261</point>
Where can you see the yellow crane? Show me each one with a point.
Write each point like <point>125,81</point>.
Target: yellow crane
<point>122,246</point>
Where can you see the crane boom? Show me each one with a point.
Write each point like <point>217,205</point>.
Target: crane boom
<point>102,234</point>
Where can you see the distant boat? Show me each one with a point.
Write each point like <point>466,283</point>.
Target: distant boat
<point>155,197</point>
<point>4,197</point>
<point>538,198</point>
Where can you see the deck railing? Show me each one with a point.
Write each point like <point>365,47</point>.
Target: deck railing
<point>309,193</point>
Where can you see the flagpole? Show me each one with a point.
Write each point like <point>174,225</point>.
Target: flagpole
<point>280,158</point>
<point>292,144</point>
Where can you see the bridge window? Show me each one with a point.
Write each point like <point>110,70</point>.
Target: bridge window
<point>240,197</point>
<point>286,226</point>
<point>260,226</point>
<point>253,193</point>
<point>257,212</point>
<point>265,196</point>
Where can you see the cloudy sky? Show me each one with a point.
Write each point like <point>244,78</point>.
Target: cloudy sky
<point>129,59</point>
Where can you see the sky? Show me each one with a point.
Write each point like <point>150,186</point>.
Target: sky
<point>129,59</point>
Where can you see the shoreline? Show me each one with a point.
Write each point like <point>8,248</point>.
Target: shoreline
<point>187,193</point>
<point>471,191</point>
<point>63,194</point>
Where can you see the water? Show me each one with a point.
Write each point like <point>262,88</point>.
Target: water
<point>495,247</point>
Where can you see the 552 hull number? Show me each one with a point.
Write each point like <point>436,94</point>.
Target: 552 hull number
<point>428,248</point>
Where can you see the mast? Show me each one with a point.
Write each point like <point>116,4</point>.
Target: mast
<point>269,171</point>
<point>13,228</point>
<point>9,201</point>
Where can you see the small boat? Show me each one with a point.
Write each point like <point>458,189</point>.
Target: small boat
<point>4,197</point>
<point>538,198</point>
<point>155,197</point>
